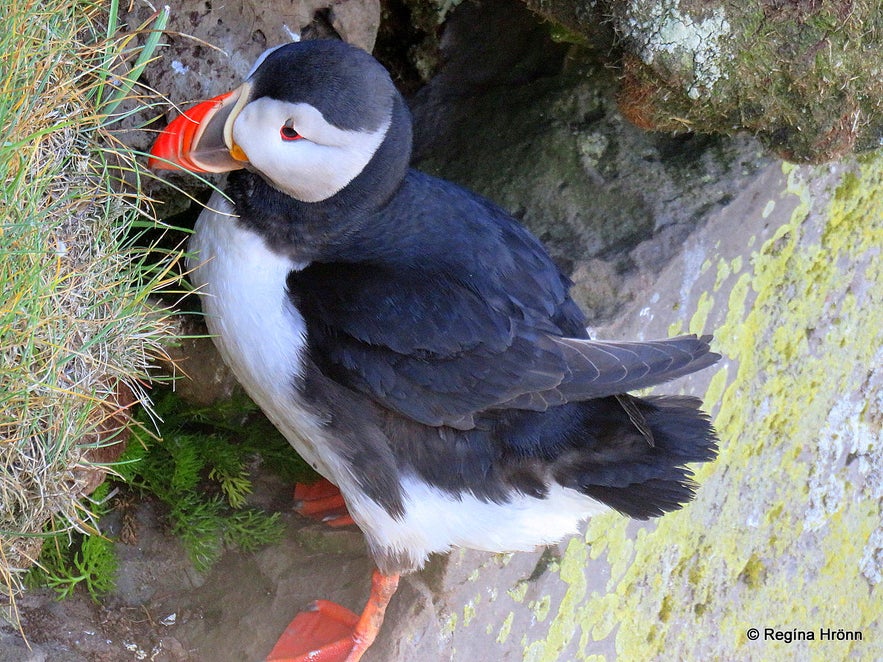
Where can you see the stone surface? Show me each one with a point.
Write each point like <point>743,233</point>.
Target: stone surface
<point>210,46</point>
<point>785,533</point>
<point>804,75</point>
<point>532,124</point>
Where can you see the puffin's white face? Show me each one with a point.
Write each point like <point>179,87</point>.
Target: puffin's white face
<point>301,153</point>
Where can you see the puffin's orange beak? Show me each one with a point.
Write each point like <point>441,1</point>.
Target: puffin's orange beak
<point>201,139</point>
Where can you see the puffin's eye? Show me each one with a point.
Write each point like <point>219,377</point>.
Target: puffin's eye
<point>289,133</point>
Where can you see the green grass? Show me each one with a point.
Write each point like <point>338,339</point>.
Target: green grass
<point>77,326</point>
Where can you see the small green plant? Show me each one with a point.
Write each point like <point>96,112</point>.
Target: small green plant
<point>88,560</point>
<point>200,471</point>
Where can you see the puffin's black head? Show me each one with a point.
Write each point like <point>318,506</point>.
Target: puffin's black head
<point>311,118</point>
<point>351,89</point>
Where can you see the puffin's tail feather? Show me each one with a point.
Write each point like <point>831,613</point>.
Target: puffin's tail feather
<point>625,471</point>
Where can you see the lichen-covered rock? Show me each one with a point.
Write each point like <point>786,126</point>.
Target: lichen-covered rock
<point>807,77</point>
<point>785,534</point>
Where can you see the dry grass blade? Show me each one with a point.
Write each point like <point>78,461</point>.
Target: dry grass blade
<point>76,326</point>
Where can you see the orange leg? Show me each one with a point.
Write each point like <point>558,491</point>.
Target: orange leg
<point>323,502</point>
<point>327,632</point>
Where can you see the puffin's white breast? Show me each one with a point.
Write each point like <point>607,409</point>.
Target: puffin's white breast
<point>258,331</point>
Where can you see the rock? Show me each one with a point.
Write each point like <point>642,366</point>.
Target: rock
<point>13,651</point>
<point>789,515</point>
<point>804,76</point>
<point>532,124</point>
<point>202,377</point>
<point>356,21</point>
<point>210,46</point>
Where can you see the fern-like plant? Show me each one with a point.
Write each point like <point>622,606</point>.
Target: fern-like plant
<point>197,465</point>
<point>200,471</point>
<point>88,560</point>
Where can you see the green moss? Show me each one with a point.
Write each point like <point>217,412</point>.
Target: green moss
<point>563,35</point>
<point>849,187</point>
<point>198,471</point>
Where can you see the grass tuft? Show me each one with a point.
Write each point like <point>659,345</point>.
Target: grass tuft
<point>79,334</point>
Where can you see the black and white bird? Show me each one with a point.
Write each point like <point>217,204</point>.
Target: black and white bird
<point>413,342</point>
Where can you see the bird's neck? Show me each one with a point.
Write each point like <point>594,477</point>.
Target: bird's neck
<point>304,229</point>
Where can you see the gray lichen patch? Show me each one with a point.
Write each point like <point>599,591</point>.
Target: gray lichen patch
<point>687,47</point>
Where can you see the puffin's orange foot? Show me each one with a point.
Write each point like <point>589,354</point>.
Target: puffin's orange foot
<point>327,632</point>
<point>323,633</point>
<point>323,502</point>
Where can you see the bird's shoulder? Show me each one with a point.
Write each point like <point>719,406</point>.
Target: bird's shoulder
<point>439,269</point>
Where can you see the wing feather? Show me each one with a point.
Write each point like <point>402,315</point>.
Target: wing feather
<point>442,317</point>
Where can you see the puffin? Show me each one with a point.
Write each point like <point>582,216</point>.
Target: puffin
<point>412,341</point>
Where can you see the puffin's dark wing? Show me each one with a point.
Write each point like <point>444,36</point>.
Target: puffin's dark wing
<point>427,347</point>
<point>450,315</point>
<point>438,353</point>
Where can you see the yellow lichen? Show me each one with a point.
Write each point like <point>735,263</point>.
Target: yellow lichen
<point>518,592</point>
<point>781,526</point>
<point>449,626</point>
<point>469,610</point>
<point>541,607</point>
<point>506,628</point>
